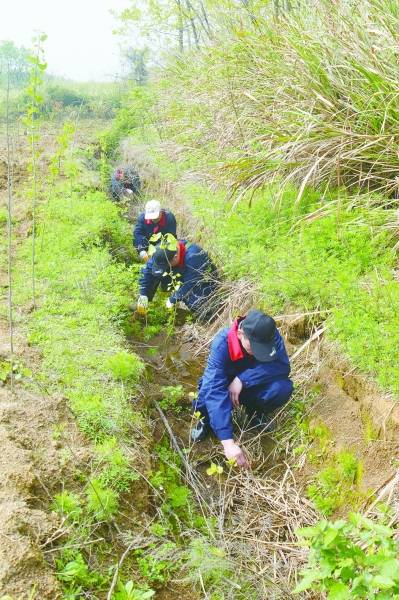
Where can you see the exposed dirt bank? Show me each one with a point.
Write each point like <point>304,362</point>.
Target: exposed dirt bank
<point>38,437</point>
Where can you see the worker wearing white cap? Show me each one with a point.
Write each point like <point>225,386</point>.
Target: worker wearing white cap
<point>152,221</point>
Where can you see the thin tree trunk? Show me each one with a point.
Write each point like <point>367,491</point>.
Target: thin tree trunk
<point>9,232</point>
<point>180,25</point>
<point>192,23</point>
<point>207,26</point>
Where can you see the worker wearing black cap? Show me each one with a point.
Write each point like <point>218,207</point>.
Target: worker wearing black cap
<point>188,271</point>
<point>248,365</point>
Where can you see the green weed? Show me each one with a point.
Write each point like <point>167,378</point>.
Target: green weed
<point>370,430</point>
<point>156,565</point>
<point>321,440</point>
<point>102,501</point>
<point>357,558</point>
<point>128,591</point>
<point>17,369</point>
<point>116,470</point>
<point>337,484</point>
<point>125,366</point>
<point>76,576</point>
<point>171,396</point>
<point>69,505</point>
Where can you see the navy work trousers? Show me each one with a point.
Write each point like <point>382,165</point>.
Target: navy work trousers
<point>258,398</point>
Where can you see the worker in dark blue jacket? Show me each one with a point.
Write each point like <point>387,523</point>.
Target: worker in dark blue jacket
<point>152,221</point>
<point>248,365</point>
<point>192,277</point>
<point>125,181</point>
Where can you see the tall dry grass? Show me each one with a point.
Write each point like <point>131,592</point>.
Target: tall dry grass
<point>312,98</point>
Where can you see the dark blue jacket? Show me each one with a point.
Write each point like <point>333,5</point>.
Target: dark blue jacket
<point>131,181</point>
<point>144,229</point>
<point>221,369</point>
<point>198,278</point>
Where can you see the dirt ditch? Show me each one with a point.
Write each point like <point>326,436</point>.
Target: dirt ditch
<point>39,437</point>
<point>359,416</point>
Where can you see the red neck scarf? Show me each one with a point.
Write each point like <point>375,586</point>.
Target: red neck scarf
<point>182,254</point>
<point>161,222</point>
<point>235,349</point>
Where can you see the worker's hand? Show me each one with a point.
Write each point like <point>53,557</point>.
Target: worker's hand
<point>144,256</point>
<point>235,388</point>
<point>142,305</point>
<point>233,451</point>
<point>169,305</point>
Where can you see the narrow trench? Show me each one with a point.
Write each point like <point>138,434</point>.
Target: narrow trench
<point>172,361</point>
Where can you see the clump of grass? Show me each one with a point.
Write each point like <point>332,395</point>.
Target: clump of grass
<point>68,504</point>
<point>337,484</point>
<point>125,366</point>
<point>320,104</point>
<point>102,501</point>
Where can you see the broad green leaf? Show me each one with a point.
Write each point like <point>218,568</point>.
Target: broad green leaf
<point>339,591</point>
<point>379,581</point>
<point>390,568</point>
<point>330,537</point>
<point>309,578</point>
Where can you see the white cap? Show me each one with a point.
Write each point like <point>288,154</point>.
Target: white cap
<point>152,209</point>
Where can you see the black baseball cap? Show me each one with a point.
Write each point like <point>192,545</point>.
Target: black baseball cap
<point>260,329</point>
<point>161,261</point>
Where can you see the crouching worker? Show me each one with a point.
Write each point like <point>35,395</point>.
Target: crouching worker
<point>248,365</point>
<point>124,182</point>
<point>150,222</point>
<point>192,276</point>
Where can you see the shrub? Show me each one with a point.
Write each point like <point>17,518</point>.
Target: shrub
<point>355,559</point>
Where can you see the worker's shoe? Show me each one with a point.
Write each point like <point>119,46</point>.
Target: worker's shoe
<point>200,432</point>
<point>262,423</point>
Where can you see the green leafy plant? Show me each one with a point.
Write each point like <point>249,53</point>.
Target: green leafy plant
<point>125,366</point>
<point>68,504</point>
<point>129,591</point>
<point>102,501</point>
<point>214,470</point>
<point>355,559</point>
<point>155,566</point>
<point>171,396</point>
<point>117,472</point>
<point>337,484</point>
<point>76,576</point>
<point>17,369</point>
<point>176,497</point>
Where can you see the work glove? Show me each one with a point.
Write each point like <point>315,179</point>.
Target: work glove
<point>169,305</point>
<point>142,305</point>
<point>144,256</point>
